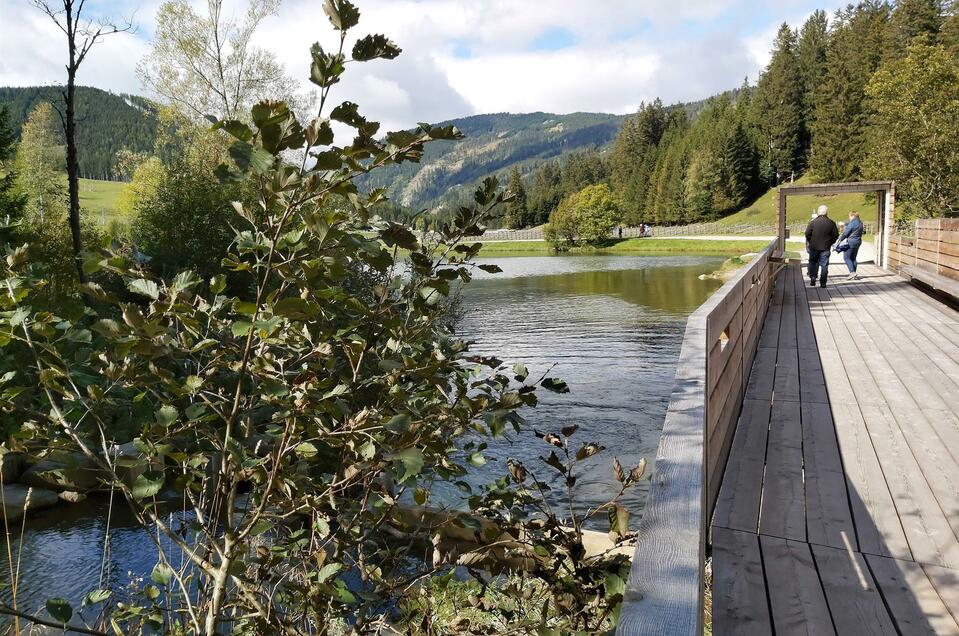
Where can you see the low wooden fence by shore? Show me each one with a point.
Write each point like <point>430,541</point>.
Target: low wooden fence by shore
<point>666,231</point>
<point>664,594</point>
<point>933,247</point>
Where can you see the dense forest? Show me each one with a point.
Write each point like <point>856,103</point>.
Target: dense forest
<point>869,93</point>
<point>106,123</point>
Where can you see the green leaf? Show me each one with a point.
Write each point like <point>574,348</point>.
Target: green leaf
<point>399,423</point>
<point>147,485</point>
<point>166,415</point>
<point>374,47</point>
<point>144,287</point>
<point>327,571</point>
<point>305,449</point>
<point>96,596</point>
<point>420,496</point>
<point>555,385</point>
<point>400,236</point>
<point>407,463</point>
<point>292,307</point>
<point>60,609</point>
<point>241,328</point>
<point>235,128</point>
<point>343,14</point>
<point>477,459</point>
<point>161,575</point>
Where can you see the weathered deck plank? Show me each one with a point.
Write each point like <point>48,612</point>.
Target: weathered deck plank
<point>858,491</point>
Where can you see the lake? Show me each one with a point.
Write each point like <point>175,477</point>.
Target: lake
<point>611,325</point>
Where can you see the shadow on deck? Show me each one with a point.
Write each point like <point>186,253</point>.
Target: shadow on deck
<point>838,511</point>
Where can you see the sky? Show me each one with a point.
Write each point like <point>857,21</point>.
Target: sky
<point>464,57</point>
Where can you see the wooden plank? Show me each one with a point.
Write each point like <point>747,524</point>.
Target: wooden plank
<point>812,384</point>
<point>740,605</point>
<point>878,529</point>
<point>851,593</point>
<point>786,382</point>
<point>763,375</point>
<point>796,597</point>
<point>828,517</point>
<point>912,600</point>
<point>946,583</point>
<point>770,334</point>
<point>741,492</point>
<point>783,508</point>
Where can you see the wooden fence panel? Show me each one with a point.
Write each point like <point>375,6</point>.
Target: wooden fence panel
<point>664,594</point>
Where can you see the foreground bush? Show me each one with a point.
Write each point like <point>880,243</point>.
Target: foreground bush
<point>299,420</point>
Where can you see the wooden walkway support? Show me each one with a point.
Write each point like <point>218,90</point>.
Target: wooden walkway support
<point>839,507</point>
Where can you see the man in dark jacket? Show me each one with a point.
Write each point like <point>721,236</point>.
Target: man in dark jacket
<point>821,233</point>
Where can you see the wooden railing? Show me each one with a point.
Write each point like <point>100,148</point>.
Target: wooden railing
<point>934,247</point>
<point>665,590</point>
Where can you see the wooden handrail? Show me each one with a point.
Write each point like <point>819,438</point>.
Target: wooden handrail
<point>664,594</point>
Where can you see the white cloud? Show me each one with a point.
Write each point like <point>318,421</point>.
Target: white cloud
<point>466,56</point>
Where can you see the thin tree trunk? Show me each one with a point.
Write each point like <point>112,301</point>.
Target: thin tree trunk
<point>73,167</point>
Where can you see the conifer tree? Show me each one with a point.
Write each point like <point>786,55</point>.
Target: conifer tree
<point>949,33</point>
<point>913,20</point>
<point>811,54</point>
<point>516,210</point>
<point>840,119</point>
<point>12,203</point>
<point>777,108</point>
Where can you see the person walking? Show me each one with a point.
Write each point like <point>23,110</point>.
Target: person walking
<point>821,233</point>
<point>852,234</point>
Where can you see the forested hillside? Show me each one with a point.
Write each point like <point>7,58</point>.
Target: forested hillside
<point>871,92</point>
<point>106,123</point>
<point>493,143</point>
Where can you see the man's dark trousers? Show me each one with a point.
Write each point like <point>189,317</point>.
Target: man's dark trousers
<point>818,266</point>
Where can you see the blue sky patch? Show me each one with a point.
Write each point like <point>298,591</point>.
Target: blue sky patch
<point>553,40</point>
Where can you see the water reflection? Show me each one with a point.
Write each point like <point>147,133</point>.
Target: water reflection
<point>613,327</point>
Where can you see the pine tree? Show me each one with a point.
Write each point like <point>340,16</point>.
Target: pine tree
<point>949,33</point>
<point>516,211</point>
<point>12,203</point>
<point>840,120</point>
<point>633,159</point>
<point>811,54</point>
<point>777,107</point>
<point>913,20</point>
<point>740,167</point>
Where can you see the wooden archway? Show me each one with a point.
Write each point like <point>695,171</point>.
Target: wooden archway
<point>885,208</point>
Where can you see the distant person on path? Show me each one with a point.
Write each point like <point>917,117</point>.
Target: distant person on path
<point>852,234</point>
<point>821,233</point>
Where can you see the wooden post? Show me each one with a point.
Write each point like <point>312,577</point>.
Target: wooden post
<point>781,222</point>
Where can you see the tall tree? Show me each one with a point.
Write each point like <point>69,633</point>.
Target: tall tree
<point>840,119</point>
<point>82,34</point>
<point>516,210</point>
<point>914,138</point>
<point>949,33</point>
<point>206,64</point>
<point>39,162</point>
<point>633,158</point>
<point>12,203</point>
<point>912,20</point>
<point>778,107</point>
<point>811,54</point>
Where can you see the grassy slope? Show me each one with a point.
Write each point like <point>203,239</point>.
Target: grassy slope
<point>763,210</point>
<point>99,199</point>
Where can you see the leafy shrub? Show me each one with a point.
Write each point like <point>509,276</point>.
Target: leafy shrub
<point>302,420</point>
<point>583,218</point>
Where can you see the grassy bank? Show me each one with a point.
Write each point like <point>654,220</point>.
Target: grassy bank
<point>632,246</point>
<point>98,199</point>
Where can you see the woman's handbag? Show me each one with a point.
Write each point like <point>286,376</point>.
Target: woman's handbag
<point>842,246</point>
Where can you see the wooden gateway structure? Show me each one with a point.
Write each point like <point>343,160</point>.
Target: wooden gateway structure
<point>810,454</point>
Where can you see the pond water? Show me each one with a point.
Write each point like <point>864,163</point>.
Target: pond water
<point>611,325</point>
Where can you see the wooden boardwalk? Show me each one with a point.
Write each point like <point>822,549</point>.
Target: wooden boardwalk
<point>839,506</point>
